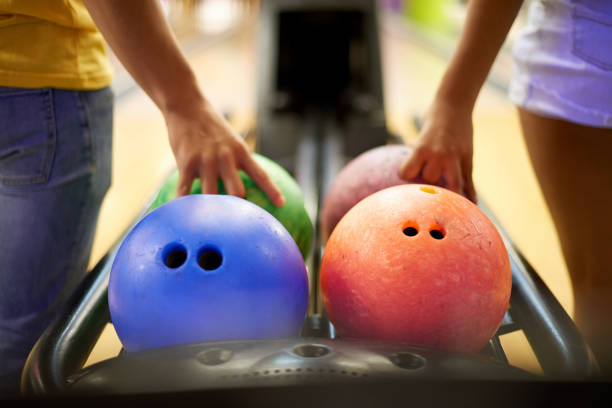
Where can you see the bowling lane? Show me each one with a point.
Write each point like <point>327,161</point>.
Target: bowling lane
<point>225,69</point>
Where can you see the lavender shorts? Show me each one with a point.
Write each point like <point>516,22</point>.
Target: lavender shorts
<point>563,60</point>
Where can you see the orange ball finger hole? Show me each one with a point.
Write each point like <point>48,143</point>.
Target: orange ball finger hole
<point>437,232</point>
<point>429,190</point>
<point>410,229</point>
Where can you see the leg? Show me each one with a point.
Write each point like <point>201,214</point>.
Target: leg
<point>54,173</point>
<point>573,166</point>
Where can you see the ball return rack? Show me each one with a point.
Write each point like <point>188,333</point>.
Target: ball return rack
<point>320,103</point>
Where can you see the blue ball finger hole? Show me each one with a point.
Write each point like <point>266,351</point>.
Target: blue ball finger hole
<point>174,255</point>
<point>210,259</point>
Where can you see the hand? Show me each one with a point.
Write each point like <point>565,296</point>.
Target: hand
<point>444,150</point>
<point>205,146</point>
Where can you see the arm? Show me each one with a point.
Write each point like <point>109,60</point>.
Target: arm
<point>203,143</point>
<point>444,147</point>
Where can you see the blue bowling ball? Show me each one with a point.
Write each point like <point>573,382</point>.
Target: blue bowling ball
<point>206,268</point>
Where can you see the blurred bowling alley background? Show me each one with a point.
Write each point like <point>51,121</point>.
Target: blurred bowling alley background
<point>416,39</point>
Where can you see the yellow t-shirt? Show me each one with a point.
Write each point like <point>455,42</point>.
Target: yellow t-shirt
<point>51,43</point>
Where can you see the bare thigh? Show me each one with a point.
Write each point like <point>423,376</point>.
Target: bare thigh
<point>573,164</point>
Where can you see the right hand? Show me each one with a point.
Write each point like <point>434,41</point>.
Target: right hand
<point>444,149</point>
<point>206,147</point>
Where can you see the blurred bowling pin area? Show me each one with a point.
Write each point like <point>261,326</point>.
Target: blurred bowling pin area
<point>416,38</point>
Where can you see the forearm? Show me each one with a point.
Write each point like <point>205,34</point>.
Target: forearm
<point>485,29</point>
<point>138,33</point>
<point>203,143</point>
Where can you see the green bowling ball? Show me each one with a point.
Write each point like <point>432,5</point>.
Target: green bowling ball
<point>292,215</point>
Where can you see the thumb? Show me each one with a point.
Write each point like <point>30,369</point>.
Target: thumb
<point>411,168</point>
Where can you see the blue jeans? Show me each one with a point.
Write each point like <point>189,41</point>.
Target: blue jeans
<point>55,168</point>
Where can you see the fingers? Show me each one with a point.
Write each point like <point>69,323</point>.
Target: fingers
<point>261,178</point>
<point>453,176</point>
<point>229,174</point>
<point>468,184</point>
<point>432,170</point>
<point>412,166</point>
<point>209,176</point>
<point>432,167</point>
<point>225,166</point>
<point>425,164</point>
<point>205,142</point>
<point>470,192</point>
<point>186,178</point>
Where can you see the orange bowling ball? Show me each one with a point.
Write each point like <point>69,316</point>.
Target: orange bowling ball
<point>418,264</point>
